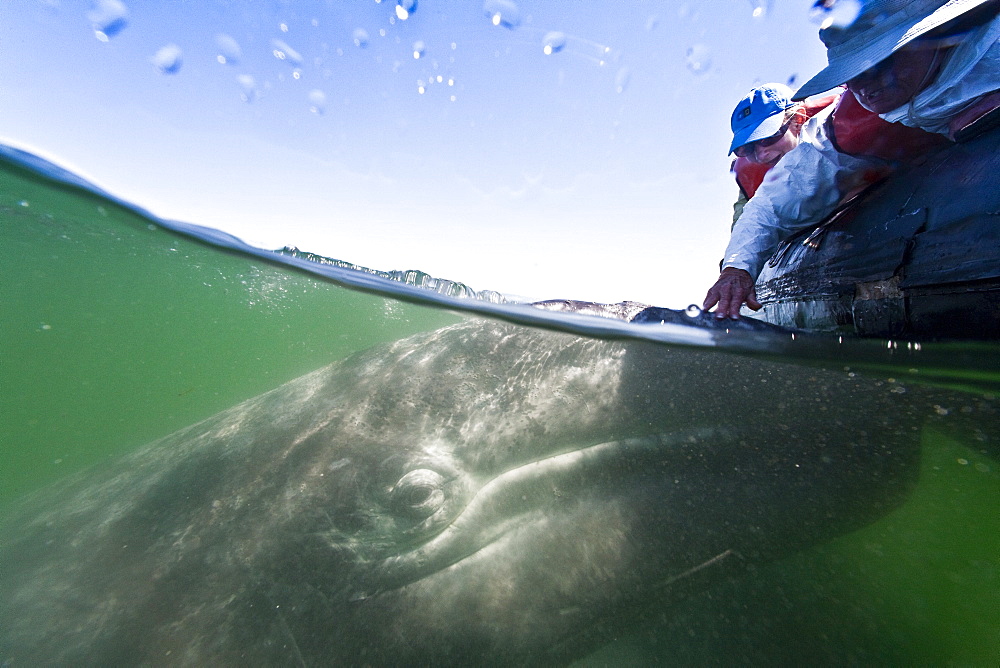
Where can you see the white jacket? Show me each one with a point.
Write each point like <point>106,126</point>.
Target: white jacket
<point>809,181</point>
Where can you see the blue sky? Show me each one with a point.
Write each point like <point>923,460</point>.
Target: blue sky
<point>596,172</point>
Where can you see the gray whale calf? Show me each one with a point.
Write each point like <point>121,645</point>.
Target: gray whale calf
<point>482,493</point>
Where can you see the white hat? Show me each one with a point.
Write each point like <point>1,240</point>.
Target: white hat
<point>881,28</point>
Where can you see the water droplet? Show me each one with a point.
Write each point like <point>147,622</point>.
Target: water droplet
<point>502,13</point>
<point>421,87</point>
<point>317,101</point>
<point>282,51</point>
<point>248,87</point>
<point>168,59</point>
<point>692,311</point>
<point>360,38</point>
<point>963,461</point>
<point>622,79</point>
<point>699,59</point>
<point>404,8</point>
<point>553,42</point>
<point>24,202</point>
<point>108,18</point>
<point>834,13</point>
<point>229,50</point>
<point>45,327</point>
<point>418,49</point>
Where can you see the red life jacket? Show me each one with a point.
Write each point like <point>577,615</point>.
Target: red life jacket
<point>856,131</point>
<point>749,174</point>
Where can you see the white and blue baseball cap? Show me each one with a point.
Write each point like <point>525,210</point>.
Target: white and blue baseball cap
<point>760,113</point>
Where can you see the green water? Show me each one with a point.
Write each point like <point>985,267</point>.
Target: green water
<point>920,587</point>
<point>116,332</point>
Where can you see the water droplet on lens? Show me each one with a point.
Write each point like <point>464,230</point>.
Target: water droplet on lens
<point>404,8</point>
<point>839,14</point>
<point>229,50</point>
<point>317,101</point>
<point>502,13</point>
<point>553,42</point>
<point>282,51</point>
<point>360,38</point>
<point>622,79</point>
<point>692,311</point>
<point>168,59</point>
<point>418,49</point>
<point>248,87</point>
<point>108,18</point>
<point>699,59</point>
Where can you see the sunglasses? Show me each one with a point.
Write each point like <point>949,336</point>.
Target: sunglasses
<point>747,150</point>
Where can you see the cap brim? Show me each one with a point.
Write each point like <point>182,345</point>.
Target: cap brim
<point>767,128</point>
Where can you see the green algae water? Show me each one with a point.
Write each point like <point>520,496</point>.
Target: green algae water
<point>117,331</point>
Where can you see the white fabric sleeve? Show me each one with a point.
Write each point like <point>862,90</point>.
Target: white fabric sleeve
<point>802,189</point>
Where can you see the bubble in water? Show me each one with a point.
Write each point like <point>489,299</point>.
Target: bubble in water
<point>282,51</point>
<point>418,50</point>
<point>317,101</point>
<point>622,79</point>
<point>360,38</point>
<point>692,311</point>
<point>248,87</point>
<point>108,18</point>
<point>834,13</point>
<point>168,59</point>
<point>502,13</point>
<point>404,8</point>
<point>230,52</point>
<point>698,59</point>
<point>553,42</point>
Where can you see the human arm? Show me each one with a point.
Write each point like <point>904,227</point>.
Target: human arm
<point>801,190</point>
<point>734,288</point>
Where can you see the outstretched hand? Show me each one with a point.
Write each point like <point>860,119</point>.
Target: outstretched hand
<point>734,288</point>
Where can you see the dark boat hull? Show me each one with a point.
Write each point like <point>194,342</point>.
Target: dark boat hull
<point>917,256</point>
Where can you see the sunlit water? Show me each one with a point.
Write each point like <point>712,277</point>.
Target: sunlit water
<point>118,330</point>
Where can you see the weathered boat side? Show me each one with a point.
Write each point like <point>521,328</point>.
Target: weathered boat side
<point>917,256</point>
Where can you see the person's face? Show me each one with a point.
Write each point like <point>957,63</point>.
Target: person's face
<point>896,80</point>
<point>769,150</point>
<point>771,153</point>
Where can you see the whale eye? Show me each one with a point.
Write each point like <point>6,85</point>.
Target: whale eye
<point>418,494</point>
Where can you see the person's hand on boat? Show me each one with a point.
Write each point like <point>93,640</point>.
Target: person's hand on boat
<point>734,288</point>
